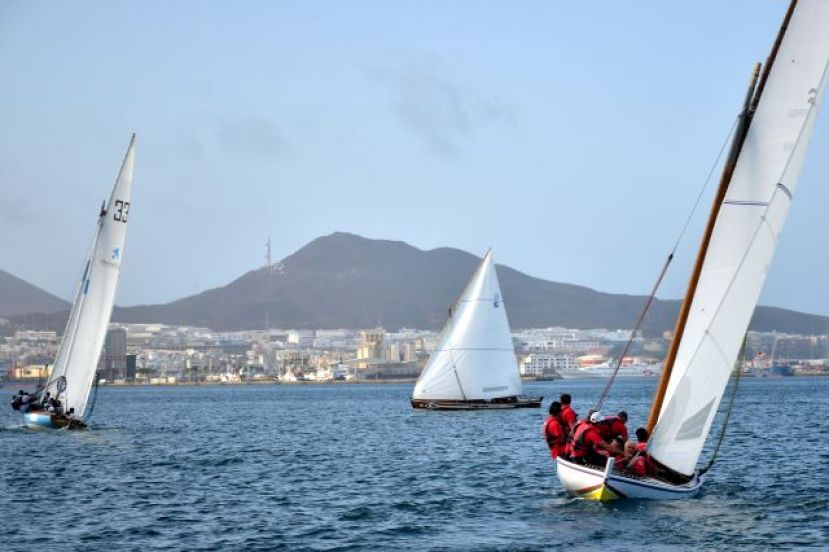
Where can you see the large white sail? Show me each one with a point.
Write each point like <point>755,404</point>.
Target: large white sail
<point>744,238</point>
<point>80,348</point>
<point>475,358</point>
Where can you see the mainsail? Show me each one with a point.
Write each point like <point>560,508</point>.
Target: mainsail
<point>475,358</point>
<point>83,339</point>
<point>745,235</point>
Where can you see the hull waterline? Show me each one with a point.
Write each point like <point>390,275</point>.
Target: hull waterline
<point>44,420</point>
<point>604,484</point>
<point>494,404</point>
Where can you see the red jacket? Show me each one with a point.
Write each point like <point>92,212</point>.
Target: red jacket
<point>611,427</point>
<point>555,436</point>
<point>585,439</point>
<point>569,417</point>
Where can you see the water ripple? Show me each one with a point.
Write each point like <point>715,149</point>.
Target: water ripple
<point>353,467</point>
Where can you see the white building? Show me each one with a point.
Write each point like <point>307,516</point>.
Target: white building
<point>302,338</point>
<point>546,364</point>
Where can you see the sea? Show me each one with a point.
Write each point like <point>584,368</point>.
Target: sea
<point>353,467</point>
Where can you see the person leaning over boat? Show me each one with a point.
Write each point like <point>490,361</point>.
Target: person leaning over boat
<point>554,432</point>
<point>588,446</point>
<point>568,415</point>
<point>614,428</point>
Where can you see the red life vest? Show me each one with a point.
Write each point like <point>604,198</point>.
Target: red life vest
<point>555,435</point>
<point>638,465</point>
<point>578,447</point>
<point>611,427</point>
<point>569,417</point>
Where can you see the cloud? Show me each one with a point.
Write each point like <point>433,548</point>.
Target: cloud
<point>438,110</point>
<point>253,137</point>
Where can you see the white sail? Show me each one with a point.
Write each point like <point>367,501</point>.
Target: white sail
<point>80,347</point>
<point>475,358</point>
<point>744,238</point>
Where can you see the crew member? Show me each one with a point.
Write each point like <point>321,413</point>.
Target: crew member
<point>636,459</point>
<point>44,404</point>
<point>568,415</point>
<point>642,437</point>
<point>17,400</point>
<point>554,431</point>
<point>614,428</point>
<point>588,446</point>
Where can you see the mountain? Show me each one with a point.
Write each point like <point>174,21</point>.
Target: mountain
<point>18,297</point>
<point>346,281</point>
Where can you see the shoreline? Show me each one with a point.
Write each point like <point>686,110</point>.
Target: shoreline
<point>32,383</point>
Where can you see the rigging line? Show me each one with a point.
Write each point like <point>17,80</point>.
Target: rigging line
<point>94,397</point>
<point>457,377</point>
<point>635,331</point>
<point>741,359</point>
<point>705,185</point>
<point>664,270</point>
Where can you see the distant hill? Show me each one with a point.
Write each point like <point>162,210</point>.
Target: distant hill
<point>18,297</point>
<point>346,281</point>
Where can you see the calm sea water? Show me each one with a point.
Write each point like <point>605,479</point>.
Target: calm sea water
<point>343,467</point>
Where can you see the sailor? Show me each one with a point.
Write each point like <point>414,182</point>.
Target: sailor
<point>613,427</point>
<point>636,460</point>
<point>568,415</point>
<point>554,432</point>
<point>17,400</point>
<point>27,400</point>
<point>642,437</point>
<point>44,405</point>
<point>588,446</point>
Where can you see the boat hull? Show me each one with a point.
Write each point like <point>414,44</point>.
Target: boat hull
<point>604,484</point>
<point>494,404</point>
<point>45,420</point>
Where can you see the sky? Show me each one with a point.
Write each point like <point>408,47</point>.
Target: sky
<point>572,137</point>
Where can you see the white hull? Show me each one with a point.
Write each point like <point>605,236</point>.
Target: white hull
<point>596,484</point>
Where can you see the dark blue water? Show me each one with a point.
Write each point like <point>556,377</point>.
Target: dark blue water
<point>343,467</point>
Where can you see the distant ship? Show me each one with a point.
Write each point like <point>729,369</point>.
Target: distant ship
<point>605,370</point>
<point>775,371</point>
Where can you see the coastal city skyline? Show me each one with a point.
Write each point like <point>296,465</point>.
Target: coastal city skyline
<point>163,354</point>
<point>439,141</point>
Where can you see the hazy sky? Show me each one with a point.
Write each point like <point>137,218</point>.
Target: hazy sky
<point>572,137</point>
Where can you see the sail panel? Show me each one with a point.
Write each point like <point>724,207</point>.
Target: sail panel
<point>83,340</point>
<point>744,239</point>
<point>475,358</point>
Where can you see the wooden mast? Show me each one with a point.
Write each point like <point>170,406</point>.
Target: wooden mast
<point>749,106</point>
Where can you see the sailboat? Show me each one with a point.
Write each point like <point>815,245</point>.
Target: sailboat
<point>474,367</point>
<point>757,185</point>
<point>76,363</point>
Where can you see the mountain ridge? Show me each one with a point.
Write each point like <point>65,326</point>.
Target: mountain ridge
<point>19,297</point>
<point>347,281</point>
